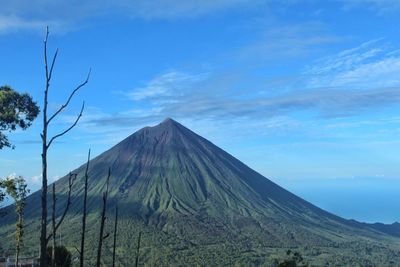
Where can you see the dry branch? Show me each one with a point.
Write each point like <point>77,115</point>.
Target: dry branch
<point>103,220</point>
<point>82,251</point>
<point>44,239</point>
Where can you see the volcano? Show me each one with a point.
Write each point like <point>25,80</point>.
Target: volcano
<point>198,205</point>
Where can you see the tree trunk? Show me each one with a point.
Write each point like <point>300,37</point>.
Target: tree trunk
<point>115,235</point>
<point>43,220</point>
<point>82,251</point>
<point>19,236</point>
<point>46,144</point>
<point>53,219</point>
<point>103,220</point>
<point>138,250</point>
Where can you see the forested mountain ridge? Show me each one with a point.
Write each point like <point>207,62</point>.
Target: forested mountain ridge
<point>197,204</point>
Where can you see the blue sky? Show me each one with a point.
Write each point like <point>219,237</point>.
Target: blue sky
<point>305,92</point>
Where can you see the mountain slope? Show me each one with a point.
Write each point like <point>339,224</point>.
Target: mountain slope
<point>187,194</point>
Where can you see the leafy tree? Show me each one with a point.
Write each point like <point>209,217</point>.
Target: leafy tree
<point>2,192</point>
<point>16,110</point>
<point>16,188</point>
<point>294,260</point>
<point>63,257</point>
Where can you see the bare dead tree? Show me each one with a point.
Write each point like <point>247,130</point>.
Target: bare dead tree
<point>46,142</point>
<point>138,249</point>
<point>115,234</point>
<point>53,220</point>
<point>82,251</point>
<point>103,220</point>
<point>55,226</point>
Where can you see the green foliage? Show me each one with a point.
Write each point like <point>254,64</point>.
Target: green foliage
<point>198,206</point>
<point>16,188</point>
<point>63,256</point>
<point>2,192</point>
<point>294,260</point>
<point>16,110</point>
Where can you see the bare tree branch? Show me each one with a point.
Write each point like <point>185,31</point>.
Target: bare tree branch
<point>44,239</point>
<point>43,219</point>
<point>82,252</point>
<point>69,129</point>
<point>53,61</point>
<point>77,250</point>
<point>115,234</point>
<point>70,96</point>
<point>138,249</point>
<point>52,64</point>
<point>45,56</point>
<point>71,180</point>
<point>102,220</point>
<point>53,224</point>
<point>106,236</point>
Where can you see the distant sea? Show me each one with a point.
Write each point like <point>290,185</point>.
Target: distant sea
<point>366,200</point>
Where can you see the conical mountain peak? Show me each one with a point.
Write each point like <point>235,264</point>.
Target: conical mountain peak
<point>169,121</point>
<point>165,125</point>
<point>167,132</point>
<point>185,192</point>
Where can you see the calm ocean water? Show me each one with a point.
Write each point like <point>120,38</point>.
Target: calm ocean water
<point>367,200</point>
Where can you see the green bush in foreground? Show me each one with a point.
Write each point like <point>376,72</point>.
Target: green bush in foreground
<point>63,257</point>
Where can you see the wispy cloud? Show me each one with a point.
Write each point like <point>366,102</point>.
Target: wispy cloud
<point>36,179</point>
<point>7,161</point>
<point>185,95</point>
<point>346,59</point>
<point>372,64</point>
<point>354,82</point>
<point>63,14</point>
<point>381,6</point>
<point>172,9</point>
<point>281,42</point>
<point>166,85</point>
<point>12,23</point>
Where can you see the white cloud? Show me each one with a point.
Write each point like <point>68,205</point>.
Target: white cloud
<point>383,73</point>
<point>36,179</point>
<point>187,96</point>
<point>171,9</point>
<point>12,175</point>
<point>280,42</point>
<point>54,178</point>
<point>372,64</point>
<point>381,6</point>
<point>13,23</point>
<point>346,59</point>
<point>167,84</point>
<point>62,15</point>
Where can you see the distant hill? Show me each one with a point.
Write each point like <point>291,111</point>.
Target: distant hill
<point>198,205</point>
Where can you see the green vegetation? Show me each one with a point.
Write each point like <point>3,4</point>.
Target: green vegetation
<point>47,140</point>
<point>16,188</point>
<point>16,110</point>
<point>63,258</point>
<point>196,205</point>
<point>294,260</point>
